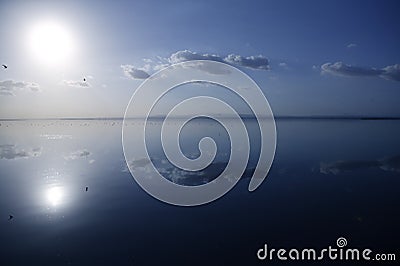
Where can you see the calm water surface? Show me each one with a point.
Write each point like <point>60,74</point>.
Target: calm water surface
<point>330,178</point>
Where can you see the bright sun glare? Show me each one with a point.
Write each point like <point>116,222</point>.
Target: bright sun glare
<point>51,43</point>
<point>54,195</point>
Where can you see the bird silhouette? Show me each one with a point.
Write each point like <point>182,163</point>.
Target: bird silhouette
<point>10,217</point>
<point>87,188</point>
<point>84,79</point>
<point>4,66</point>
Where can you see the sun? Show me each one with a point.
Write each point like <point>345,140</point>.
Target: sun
<point>54,195</point>
<point>51,42</point>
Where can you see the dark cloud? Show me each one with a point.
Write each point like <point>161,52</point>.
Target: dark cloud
<point>9,87</point>
<point>339,68</point>
<point>76,83</point>
<point>11,152</point>
<point>134,73</point>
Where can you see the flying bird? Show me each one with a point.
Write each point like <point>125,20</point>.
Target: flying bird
<point>10,217</point>
<point>87,188</point>
<point>84,79</point>
<point>4,66</point>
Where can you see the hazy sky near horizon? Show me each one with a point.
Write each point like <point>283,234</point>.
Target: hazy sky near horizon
<point>309,57</point>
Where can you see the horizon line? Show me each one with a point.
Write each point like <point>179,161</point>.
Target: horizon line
<point>278,117</point>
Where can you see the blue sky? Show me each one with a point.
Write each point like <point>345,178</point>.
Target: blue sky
<point>320,57</point>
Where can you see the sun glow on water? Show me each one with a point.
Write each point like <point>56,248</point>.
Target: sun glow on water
<point>54,195</point>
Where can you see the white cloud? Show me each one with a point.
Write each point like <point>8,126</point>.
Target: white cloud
<point>9,87</point>
<point>186,55</point>
<point>134,73</point>
<point>76,83</point>
<point>389,72</point>
<point>160,66</point>
<point>352,45</point>
<point>339,68</point>
<point>254,62</point>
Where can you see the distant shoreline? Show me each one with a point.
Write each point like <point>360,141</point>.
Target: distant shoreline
<point>243,117</point>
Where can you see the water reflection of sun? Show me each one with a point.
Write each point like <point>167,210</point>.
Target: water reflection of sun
<point>54,195</point>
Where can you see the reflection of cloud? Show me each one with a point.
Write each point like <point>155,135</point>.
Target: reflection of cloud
<point>169,172</point>
<point>139,163</point>
<point>340,166</point>
<point>8,87</point>
<point>180,176</point>
<point>77,155</point>
<point>386,164</point>
<point>134,73</point>
<point>11,152</point>
<point>136,163</point>
<point>76,83</point>
<point>56,136</point>
<point>339,68</point>
<point>390,163</point>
